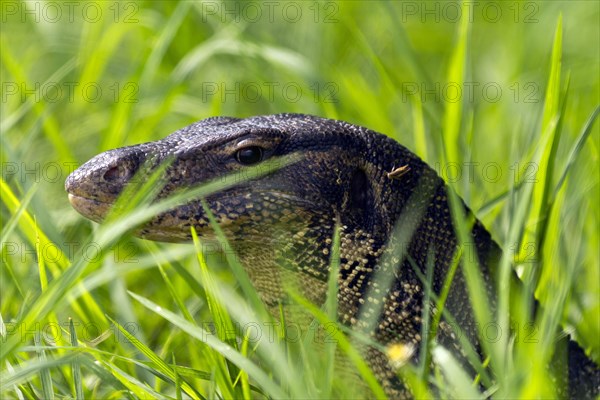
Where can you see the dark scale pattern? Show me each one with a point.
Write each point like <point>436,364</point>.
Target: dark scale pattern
<point>281,225</point>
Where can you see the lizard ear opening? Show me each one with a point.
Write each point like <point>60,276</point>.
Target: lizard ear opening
<point>361,195</point>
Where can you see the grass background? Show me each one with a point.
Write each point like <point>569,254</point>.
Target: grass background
<point>80,79</point>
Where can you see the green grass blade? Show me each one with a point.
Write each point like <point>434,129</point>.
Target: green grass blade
<point>137,388</point>
<point>166,37</point>
<point>173,292</point>
<point>470,265</point>
<point>29,369</point>
<point>157,362</point>
<point>233,262</point>
<point>225,371</point>
<point>426,339</point>
<point>47,387</point>
<point>573,155</point>
<point>549,139</point>
<point>76,369</point>
<point>331,305</point>
<point>460,385</point>
<point>221,347</point>
<point>440,301</point>
<point>345,345</point>
<point>16,215</point>
<point>27,222</point>
<point>419,133</point>
<point>456,75</point>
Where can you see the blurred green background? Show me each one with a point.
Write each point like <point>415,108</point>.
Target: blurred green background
<point>79,78</point>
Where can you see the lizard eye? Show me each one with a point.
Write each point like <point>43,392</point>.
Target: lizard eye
<point>249,155</point>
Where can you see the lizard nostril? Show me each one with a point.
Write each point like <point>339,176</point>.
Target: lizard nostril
<point>115,173</point>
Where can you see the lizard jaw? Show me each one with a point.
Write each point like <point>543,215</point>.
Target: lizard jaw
<point>90,208</point>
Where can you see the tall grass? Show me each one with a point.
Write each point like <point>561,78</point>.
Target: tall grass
<point>88,311</point>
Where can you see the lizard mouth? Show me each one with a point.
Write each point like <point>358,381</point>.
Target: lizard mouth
<point>168,227</point>
<point>89,208</point>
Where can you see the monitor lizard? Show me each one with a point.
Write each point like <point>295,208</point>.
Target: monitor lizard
<point>347,175</point>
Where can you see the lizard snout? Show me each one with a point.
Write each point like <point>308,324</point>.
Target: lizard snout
<point>95,185</point>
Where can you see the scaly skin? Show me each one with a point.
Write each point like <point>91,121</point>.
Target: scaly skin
<point>343,174</point>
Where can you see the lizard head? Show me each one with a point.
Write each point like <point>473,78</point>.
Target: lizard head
<point>332,176</point>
